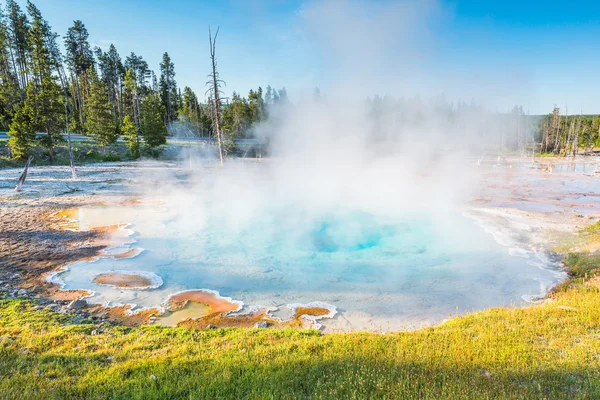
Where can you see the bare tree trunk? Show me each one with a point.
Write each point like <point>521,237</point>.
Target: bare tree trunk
<point>215,90</point>
<point>576,138</point>
<point>51,153</point>
<point>63,80</point>
<point>556,125</point>
<point>569,137</point>
<point>169,117</point>
<point>120,100</point>
<point>571,130</point>
<point>114,106</point>
<point>23,175</point>
<point>19,83</point>
<point>79,101</point>
<point>137,103</point>
<point>546,137</point>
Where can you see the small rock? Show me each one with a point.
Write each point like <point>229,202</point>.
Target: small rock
<point>109,358</point>
<point>153,377</point>
<point>77,304</point>
<point>53,306</point>
<point>261,324</point>
<point>211,326</point>
<point>22,292</point>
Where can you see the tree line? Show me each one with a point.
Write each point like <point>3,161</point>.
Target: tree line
<point>568,134</point>
<point>97,93</point>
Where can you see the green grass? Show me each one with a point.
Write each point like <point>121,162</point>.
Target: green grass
<point>546,155</point>
<point>550,351</point>
<point>582,264</point>
<point>83,153</point>
<point>546,351</point>
<point>592,229</point>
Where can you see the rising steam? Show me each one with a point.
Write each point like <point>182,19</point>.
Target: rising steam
<point>351,149</point>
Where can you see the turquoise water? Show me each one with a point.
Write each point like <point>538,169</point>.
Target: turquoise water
<point>382,272</point>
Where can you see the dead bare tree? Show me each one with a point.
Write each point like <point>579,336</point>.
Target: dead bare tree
<point>73,172</point>
<point>576,135</point>
<point>57,61</point>
<point>546,137</point>
<point>571,132</point>
<point>215,90</point>
<point>23,175</point>
<point>556,126</point>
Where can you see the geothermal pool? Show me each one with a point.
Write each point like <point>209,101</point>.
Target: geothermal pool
<point>380,272</point>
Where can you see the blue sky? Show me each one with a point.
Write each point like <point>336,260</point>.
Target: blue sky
<point>536,53</point>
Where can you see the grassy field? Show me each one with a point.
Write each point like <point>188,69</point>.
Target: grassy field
<point>82,153</point>
<point>550,351</point>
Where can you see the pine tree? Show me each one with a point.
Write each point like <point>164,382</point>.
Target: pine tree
<point>168,88</point>
<point>257,105</point>
<point>100,124</point>
<point>113,74</point>
<point>80,59</point>
<point>206,125</point>
<point>190,109</point>
<point>131,135</point>
<point>140,69</point>
<point>282,96</point>
<point>18,33</point>
<point>47,110</point>
<point>56,59</point>
<point>152,121</point>
<point>9,86</point>
<point>40,62</point>
<point>236,116</point>
<point>48,115</point>
<point>131,105</point>
<point>269,95</point>
<point>22,131</point>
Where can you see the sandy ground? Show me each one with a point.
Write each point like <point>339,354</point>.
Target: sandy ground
<point>30,247</point>
<point>540,204</point>
<point>32,243</point>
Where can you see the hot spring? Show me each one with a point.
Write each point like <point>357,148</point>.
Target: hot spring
<point>380,272</point>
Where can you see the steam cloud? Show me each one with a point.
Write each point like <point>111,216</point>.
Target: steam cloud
<point>346,152</point>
